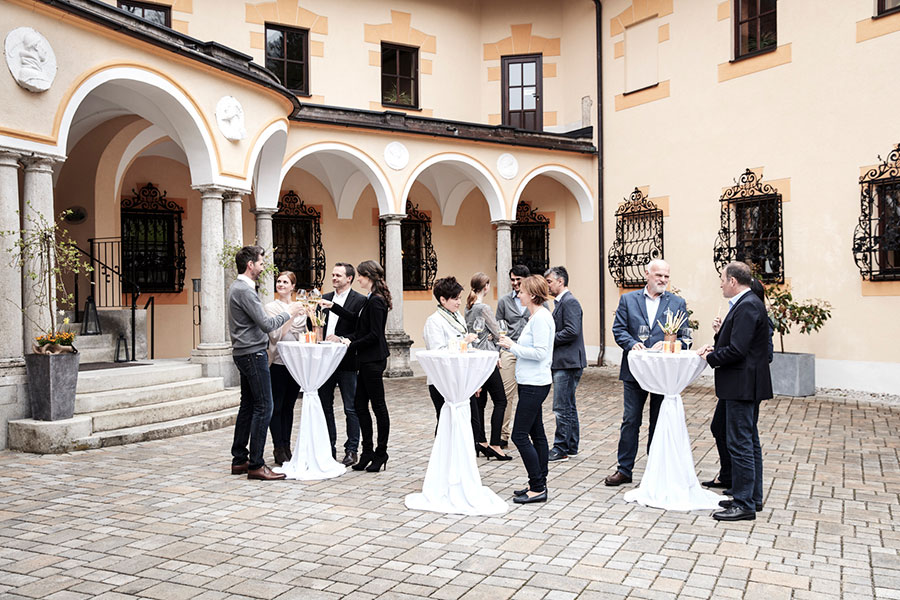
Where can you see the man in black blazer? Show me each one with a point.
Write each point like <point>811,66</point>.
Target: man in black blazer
<point>342,277</point>
<point>569,360</point>
<point>741,362</point>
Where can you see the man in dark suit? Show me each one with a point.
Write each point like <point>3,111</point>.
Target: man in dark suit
<point>345,375</point>
<point>569,361</point>
<point>741,362</point>
<point>644,307</point>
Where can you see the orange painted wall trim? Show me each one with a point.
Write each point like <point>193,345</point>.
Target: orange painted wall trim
<point>755,64</point>
<point>651,94</point>
<point>868,29</point>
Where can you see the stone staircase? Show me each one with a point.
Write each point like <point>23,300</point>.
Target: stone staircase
<point>129,404</point>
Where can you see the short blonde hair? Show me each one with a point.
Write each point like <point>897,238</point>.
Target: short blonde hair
<point>536,287</point>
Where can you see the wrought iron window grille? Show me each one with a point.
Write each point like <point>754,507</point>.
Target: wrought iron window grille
<point>420,261</point>
<point>297,237</point>
<point>530,239</point>
<point>751,228</point>
<point>153,253</point>
<point>876,239</point>
<point>639,239</point>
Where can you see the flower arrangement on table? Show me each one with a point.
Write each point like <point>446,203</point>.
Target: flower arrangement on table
<point>670,329</point>
<point>316,316</point>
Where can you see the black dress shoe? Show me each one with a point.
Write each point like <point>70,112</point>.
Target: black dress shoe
<point>715,483</point>
<point>491,453</point>
<point>503,443</point>
<point>617,478</point>
<point>730,503</point>
<point>281,455</point>
<point>735,514</point>
<point>526,499</point>
<point>350,458</point>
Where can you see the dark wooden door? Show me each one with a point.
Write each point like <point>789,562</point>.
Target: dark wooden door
<point>522,92</point>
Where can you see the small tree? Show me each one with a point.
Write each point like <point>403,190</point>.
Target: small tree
<point>226,259</point>
<point>785,312</point>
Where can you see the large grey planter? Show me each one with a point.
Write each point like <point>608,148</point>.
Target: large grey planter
<point>793,374</point>
<point>51,385</point>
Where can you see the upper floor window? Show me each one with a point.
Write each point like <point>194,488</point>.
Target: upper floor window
<point>888,6</point>
<point>751,228</point>
<point>153,241</point>
<point>639,239</point>
<point>754,27</point>
<point>530,239</point>
<point>876,240</point>
<point>155,13</point>
<point>297,238</point>
<point>522,86</point>
<point>399,76</point>
<point>419,258</point>
<point>287,55</point>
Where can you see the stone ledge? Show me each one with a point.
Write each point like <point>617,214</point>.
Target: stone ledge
<point>47,437</point>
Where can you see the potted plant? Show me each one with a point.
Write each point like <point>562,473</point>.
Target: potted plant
<point>47,255</point>
<point>794,374</point>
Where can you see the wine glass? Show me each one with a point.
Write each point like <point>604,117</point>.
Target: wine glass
<point>686,337</point>
<point>502,327</point>
<point>643,333</point>
<point>478,325</point>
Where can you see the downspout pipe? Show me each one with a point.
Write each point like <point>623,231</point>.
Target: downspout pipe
<point>600,243</point>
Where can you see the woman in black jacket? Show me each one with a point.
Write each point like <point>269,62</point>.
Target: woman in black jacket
<point>371,349</point>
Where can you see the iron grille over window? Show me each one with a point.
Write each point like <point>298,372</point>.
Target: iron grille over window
<point>530,238</point>
<point>399,75</point>
<point>639,239</point>
<point>751,229</point>
<point>419,259</point>
<point>152,241</point>
<point>876,241</point>
<point>155,13</point>
<point>755,28</point>
<point>287,55</point>
<point>297,237</point>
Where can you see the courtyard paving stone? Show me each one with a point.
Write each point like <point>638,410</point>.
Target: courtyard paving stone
<point>165,519</point>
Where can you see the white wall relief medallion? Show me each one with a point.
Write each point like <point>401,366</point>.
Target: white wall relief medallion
<point>507,166</point>
<point>396,155</point>
<point>30,59</point>
<point>230,118</point>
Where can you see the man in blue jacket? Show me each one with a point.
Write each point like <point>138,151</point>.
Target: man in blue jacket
<point>569,360</point>
<point>646,307</point>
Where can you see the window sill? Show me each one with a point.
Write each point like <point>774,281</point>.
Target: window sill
<point>886,13</point>
<point>646,87</point>
<point>401,107</point>
<point>760,61</point>
<point>750,55</point>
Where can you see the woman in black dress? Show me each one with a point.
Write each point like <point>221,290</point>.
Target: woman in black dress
<point>371,349</point>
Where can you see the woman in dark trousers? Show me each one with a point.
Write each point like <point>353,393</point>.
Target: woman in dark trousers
<point>371,349</point>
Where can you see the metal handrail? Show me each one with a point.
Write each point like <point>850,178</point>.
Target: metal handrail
<point>151,302</point>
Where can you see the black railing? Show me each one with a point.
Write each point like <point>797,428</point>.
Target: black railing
<point>109,285</point>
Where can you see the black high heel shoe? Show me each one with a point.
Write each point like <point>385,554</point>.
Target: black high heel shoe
<point>490,452</point>
<point>479,448</point>
<point>364,459</point>
<point>378,463</point>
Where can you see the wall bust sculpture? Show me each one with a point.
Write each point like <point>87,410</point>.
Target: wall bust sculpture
<point>30,59</point>
<point>396,156</point>
<point>230,118</point>
<point>507,166</point>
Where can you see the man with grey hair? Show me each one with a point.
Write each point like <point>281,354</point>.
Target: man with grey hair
<point>569,361</point>
<point>641,308</point>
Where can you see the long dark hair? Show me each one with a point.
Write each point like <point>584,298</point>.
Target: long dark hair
<point>373,271</point>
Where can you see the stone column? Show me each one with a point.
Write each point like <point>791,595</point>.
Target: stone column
<point>504,256</point>
<point>10,276</point>
<point>398,341</point>
<point>234,236</point>
<point>213,351</point>
<point>38,213</point>
<point>264,240</point>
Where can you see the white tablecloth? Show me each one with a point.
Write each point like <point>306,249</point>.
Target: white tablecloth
<point>669,481</point>
<point>452,482</point>
<point>311,365</point>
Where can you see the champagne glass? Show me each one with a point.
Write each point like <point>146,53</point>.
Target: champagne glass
<point>478,325</point>
<point>644,333</point>
<point>686,337</point>
<point>502,327</point>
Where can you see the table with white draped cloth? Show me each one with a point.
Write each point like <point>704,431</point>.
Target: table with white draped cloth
<point>670,481</point>
<point>311,365</point>
<point>452,482</point>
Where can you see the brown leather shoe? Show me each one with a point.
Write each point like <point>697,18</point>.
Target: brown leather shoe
<point>240,469</point>
<point>264,473</point>
<point>350,458</point>
<point>617,478</point>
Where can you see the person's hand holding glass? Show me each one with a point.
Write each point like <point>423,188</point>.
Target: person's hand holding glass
<point>643,335</point>
<point>502,330</point>
<point>686,337</point>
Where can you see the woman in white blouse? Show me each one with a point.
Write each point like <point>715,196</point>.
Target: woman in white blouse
<point>444,325</point>
<point>534,353</point>
<point>284,389</point>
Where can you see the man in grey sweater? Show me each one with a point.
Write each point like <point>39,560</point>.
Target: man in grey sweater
<point>248,325</point>
<point>510,309</point>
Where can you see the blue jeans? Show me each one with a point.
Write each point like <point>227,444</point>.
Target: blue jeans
<point>565,382</point>
<point>255,410</point>
<point>635,397</point>
<point>346,381</point>
<point>742,434</point>
<point>529,423</point>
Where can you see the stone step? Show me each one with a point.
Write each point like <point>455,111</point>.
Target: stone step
<point>106,340</point>
<point>162,412</point>
<point>92,355</point>
<point>161,371</point>
<point>119,399</point>
<point>156,431</point>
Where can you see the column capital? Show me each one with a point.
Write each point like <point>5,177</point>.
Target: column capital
<point>208,190</point>
<point>503,223</point>
<point>37,162</point>
<point>10,158</point>
<point>233,196</point>
<point>392,219</point>
<point>264,212</point>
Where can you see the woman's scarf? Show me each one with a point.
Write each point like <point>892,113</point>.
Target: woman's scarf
<point>454,319</point>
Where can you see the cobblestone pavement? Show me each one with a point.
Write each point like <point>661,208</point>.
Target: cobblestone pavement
<point>166,520</point>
